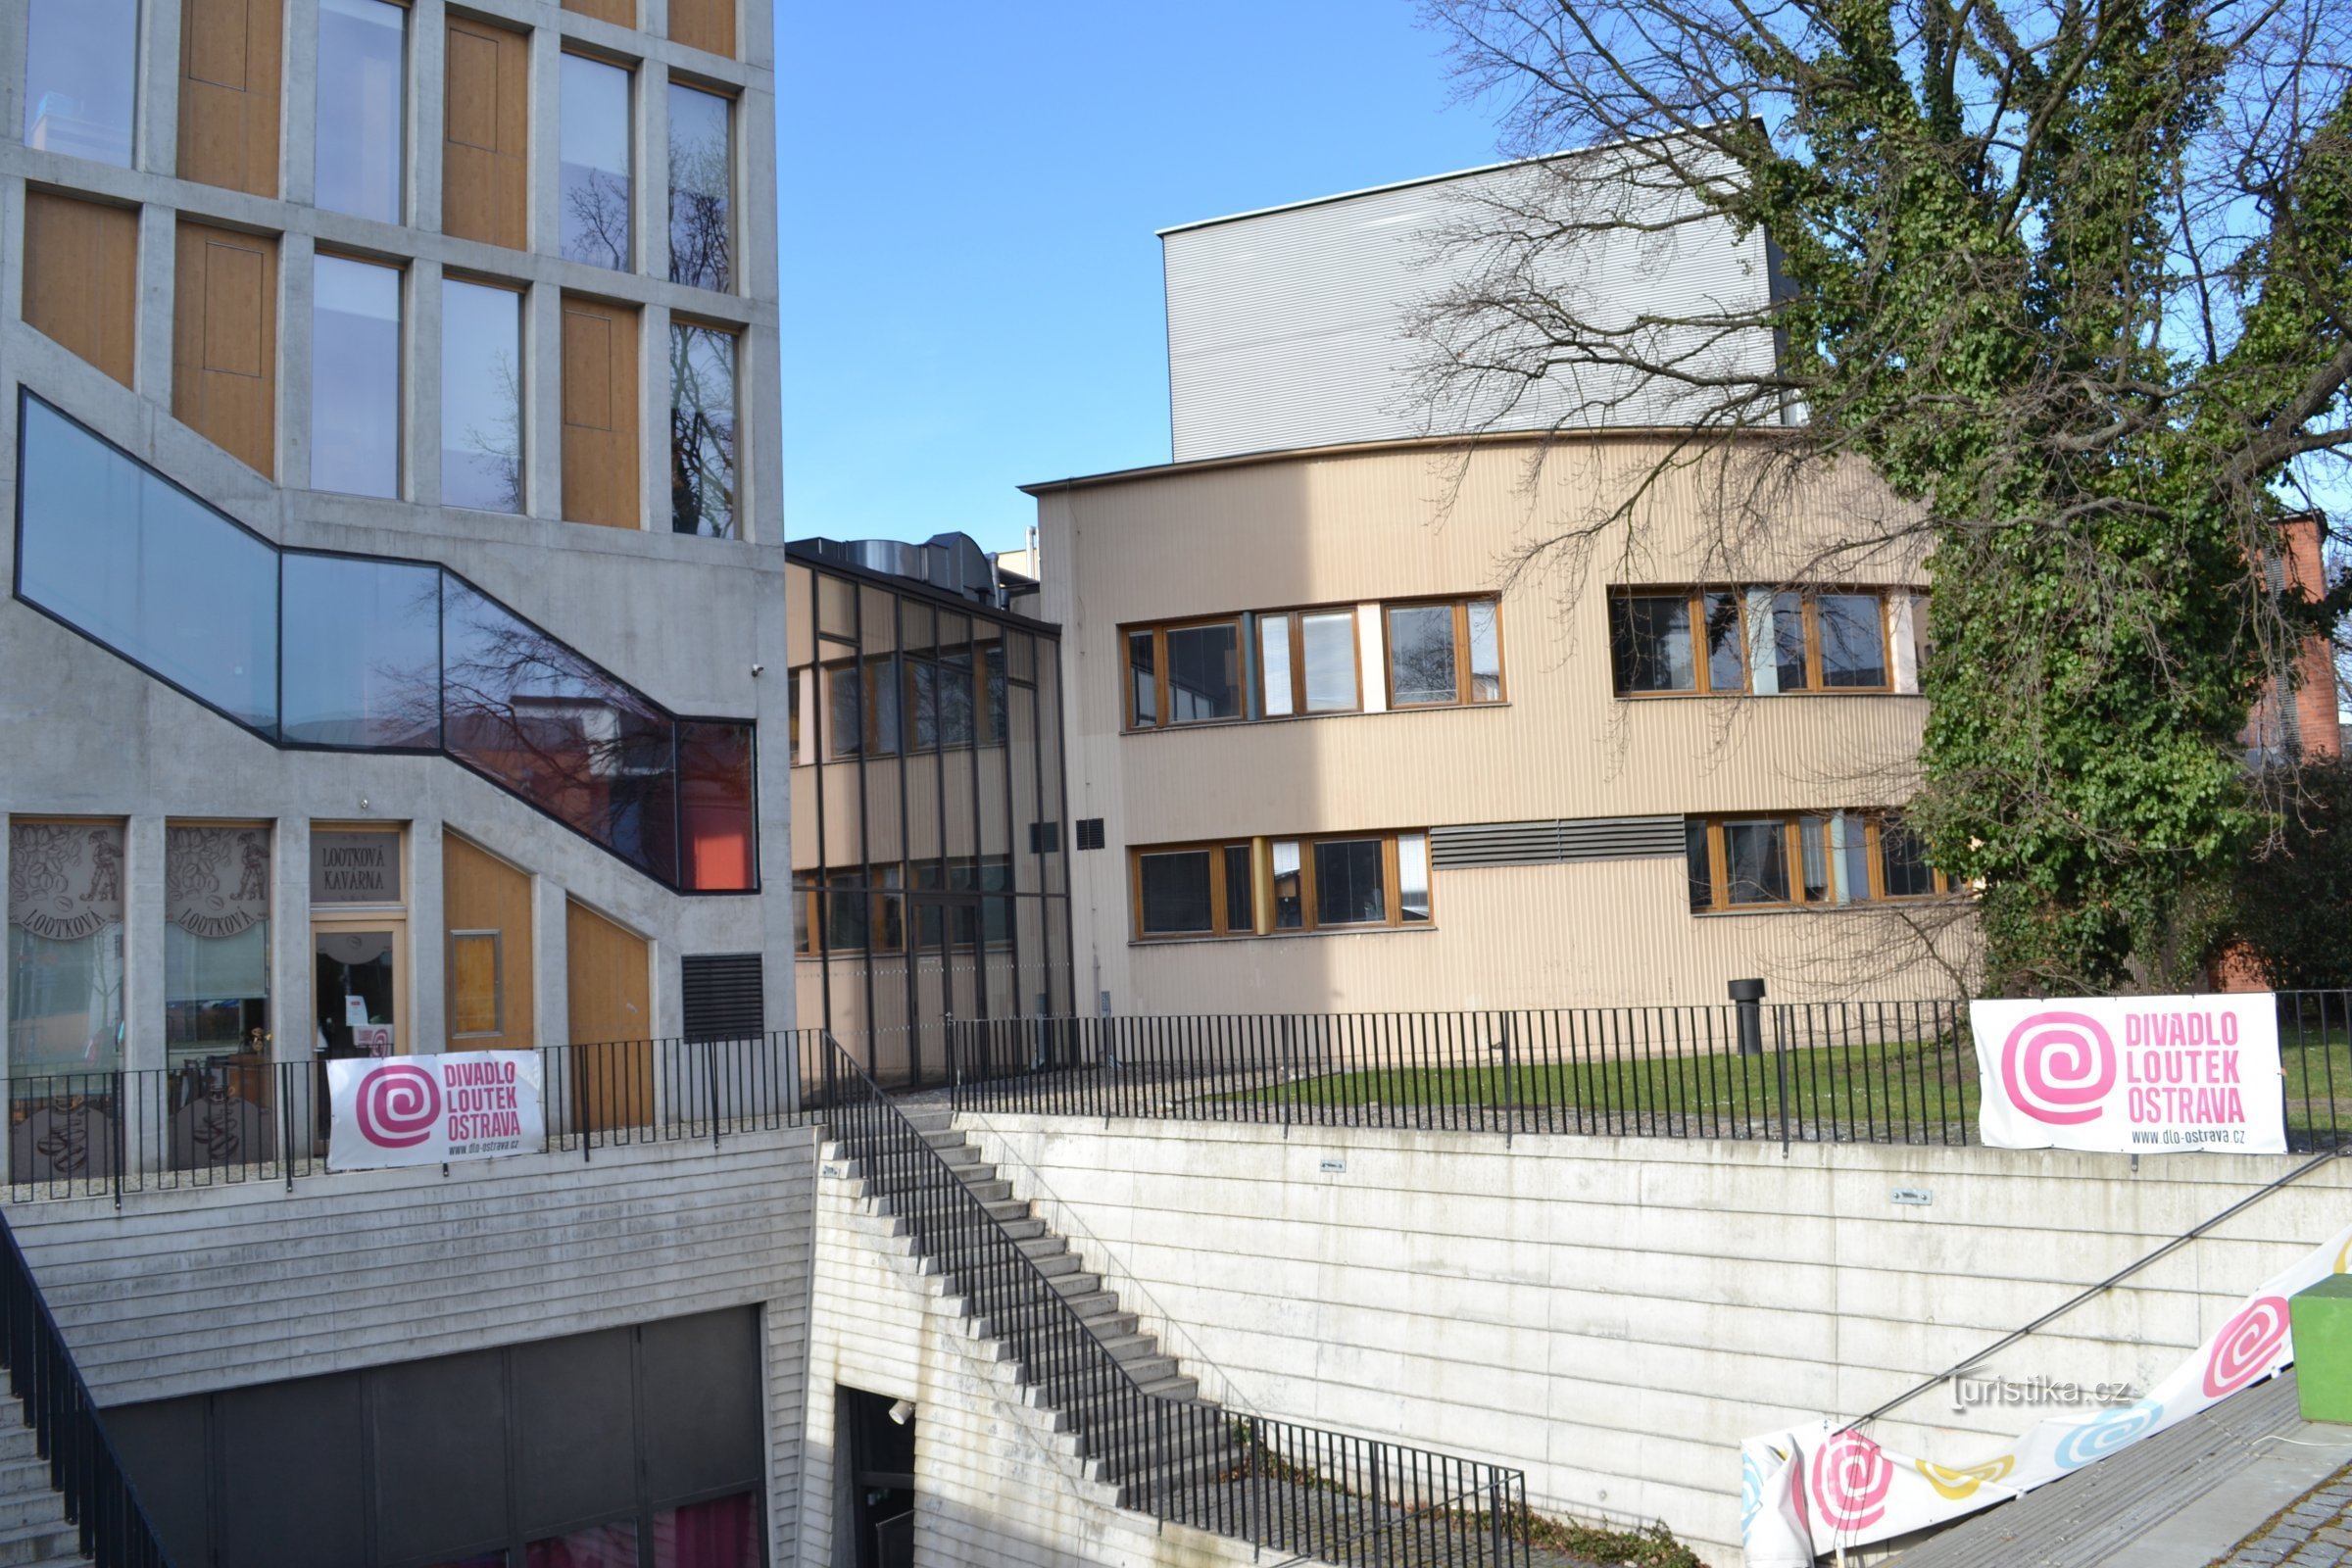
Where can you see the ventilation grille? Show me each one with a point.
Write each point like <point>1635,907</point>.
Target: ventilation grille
<point>1591,838</point>
<point>724,997</point>
<point>1090,832</point>
<point>1044,838</point>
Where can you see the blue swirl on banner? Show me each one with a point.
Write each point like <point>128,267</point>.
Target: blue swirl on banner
<point>2107,1432</point>
<point>1751,1490</point>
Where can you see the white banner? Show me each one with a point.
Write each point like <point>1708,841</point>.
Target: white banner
<point>422,1110</point>
<point>1814,1489</point>
<point>2131,1075</point>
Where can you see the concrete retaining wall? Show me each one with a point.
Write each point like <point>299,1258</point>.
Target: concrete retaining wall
<point>1615,1315</point>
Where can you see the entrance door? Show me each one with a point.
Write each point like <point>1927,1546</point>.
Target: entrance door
<point>948,983</point>
<point>612,1060</point>
<point>356,969</point>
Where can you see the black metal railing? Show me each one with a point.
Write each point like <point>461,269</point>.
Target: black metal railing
<point>88,1476</point>
<point>1888,1072</point>
<point>1324,1494</point>
<point>228,1119</point>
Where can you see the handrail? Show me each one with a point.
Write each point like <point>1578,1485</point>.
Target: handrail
<point>1325,1494</point>
<point>88,1475</point>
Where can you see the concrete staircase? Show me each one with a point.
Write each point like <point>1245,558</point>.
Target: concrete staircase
<point>1113,1433</point>
<point>33,1528</point>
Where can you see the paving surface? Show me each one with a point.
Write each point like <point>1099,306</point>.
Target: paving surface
<point>2315,1533</point>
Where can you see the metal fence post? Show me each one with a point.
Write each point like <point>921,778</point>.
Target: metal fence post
<point>1747,995</point>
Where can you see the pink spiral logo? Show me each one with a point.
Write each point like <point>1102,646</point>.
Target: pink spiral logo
<point>2247,1345</point>
<point>2057,1066</point>
<point>1850,1480</point>
<point>399,1106</point>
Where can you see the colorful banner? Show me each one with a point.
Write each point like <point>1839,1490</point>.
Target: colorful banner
<point>1815,1488</point>
<point>2131,1075</point>
<point>422,1110</point>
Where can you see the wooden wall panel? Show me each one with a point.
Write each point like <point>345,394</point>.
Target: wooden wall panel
<point>704,25</point>
<point>486,135</point>
<point>621,13</point>
<point>481,892</point>
<point>600,414</point>
<point>228,91</point>
<point>609,980</point>
<point>81,278</point>
<point>225,340</point>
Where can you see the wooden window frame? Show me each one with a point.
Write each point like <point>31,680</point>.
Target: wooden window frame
<point>1816,673</point>
<point>1694,606</point>
<point>1464,682</point>
<point>1791,823</point>
<point>1298,614</point>
<point>1261,901</point>
<point>1158,631</point>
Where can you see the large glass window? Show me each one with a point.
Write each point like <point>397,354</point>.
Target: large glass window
<point>216,953</point>
<point>1143,679</point>
<point>1654,642</point>
<point>355,377</point>
<point>1343,881</point>
<point>82,78</point>
<point>363,652</point>
<point>595,179</point>
<point>723,1532</point>
<point>1349,889</point>
<point>1854,642</point>
<point>1204,673</point>
<point>557,730</point>
<point>137,564</point>
<point>363,52</point>
<point>701,189</point>
<point>701,430</point>
<point>65,950</point>
<point>1807,858</point>
<point>715,808</point>
<point>1443,653</point>
<point>481,396</point>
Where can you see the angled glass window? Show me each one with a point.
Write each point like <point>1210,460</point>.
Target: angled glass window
<point>715,808</point>
<point>355,377</point>
<point>701,430</point>
<point>701,189</point>
<point>363,652</point>
<point>557,730</point>
<point>362,54</point>
<point>595,179</point>
<point>481,396</point>
<point>82,78</point>
<point>131,561</point>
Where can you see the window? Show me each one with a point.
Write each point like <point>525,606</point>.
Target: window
<point>362,49</point>
<point>1443,653</point>
<point>1336,882</point>
<point>481,396</point>
<point>355,377</point>
<point>81,278</point>
<point>864,909</point>
<point>1307,663</point>
<point>65,950</point>
<point>1808,641</point>
<point>82,78</point>
<point>486,134</point>
<point>595,182</point>
<point>1811,859</point>
<point>600,414</point>
<point>225,340</point>
<point>1653,649</point>
<point>378,654</point>
<point>723,1532</point>
<point>701,189</point>
<point>228,93</point>
<point>701,430</point>
<point>1183,674</point>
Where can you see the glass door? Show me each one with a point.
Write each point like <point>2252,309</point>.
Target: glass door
<point>358,966</point>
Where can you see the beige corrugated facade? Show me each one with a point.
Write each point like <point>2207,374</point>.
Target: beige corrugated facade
<point>1366,526</point>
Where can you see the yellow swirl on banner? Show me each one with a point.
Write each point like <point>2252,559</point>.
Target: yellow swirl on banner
<point>2344,1256</point>
<point>1964,1481</point>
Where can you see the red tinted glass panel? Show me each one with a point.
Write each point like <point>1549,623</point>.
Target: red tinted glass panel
<point>714,805</point>
<point>612,1545</point>
<point>723,1534</point>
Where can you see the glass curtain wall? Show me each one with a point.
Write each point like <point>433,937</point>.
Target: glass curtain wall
<point>928,833</point>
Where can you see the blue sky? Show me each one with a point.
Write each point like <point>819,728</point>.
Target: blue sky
<point>968,197</point>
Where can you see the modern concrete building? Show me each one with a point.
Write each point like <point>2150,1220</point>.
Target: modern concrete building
<point>398,550</point>
<point>1366,717</point>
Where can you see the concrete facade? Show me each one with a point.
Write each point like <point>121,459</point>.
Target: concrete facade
<point>688,620</point>
<point>1615,1315</point>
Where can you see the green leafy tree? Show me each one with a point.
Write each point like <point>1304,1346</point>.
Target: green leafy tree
<point>2075,278</point>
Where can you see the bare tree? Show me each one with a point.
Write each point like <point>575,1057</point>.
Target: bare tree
<point>2074,279</point>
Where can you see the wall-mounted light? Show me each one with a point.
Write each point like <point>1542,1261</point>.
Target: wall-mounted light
<point>903,1411</point>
